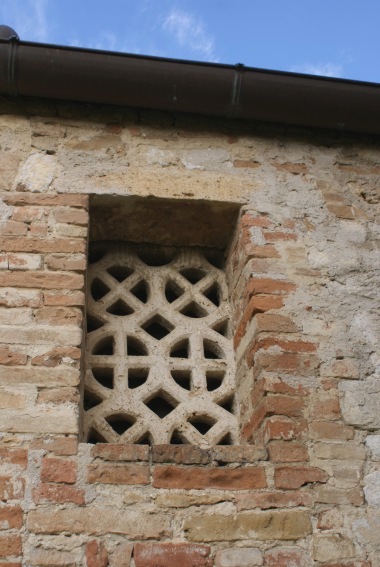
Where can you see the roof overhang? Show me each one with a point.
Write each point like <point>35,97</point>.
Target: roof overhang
<point>68,73</point>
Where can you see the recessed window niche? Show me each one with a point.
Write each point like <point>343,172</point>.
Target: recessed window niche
<point>159,358</point>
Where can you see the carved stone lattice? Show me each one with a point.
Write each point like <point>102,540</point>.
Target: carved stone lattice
<point>159,359</point>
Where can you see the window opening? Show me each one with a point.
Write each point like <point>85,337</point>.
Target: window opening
<point>159,357</point>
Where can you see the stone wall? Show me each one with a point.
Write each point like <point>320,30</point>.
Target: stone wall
<point>302,488</point>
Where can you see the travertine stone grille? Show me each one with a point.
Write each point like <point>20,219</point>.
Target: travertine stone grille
<point>159,359</point>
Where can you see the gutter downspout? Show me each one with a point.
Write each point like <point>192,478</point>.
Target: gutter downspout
<point>56,72</point>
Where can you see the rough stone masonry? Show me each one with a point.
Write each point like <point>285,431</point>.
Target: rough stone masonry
<point>301,487</point>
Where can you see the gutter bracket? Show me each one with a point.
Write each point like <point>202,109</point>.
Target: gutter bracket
<point>12,66</point>
<point>236,90</point>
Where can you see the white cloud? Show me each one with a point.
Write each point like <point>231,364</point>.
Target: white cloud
<point>29,19</point>
<point>190,32</point>
<point>323,69</point>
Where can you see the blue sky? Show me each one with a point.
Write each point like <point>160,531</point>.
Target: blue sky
<point>338,38</point>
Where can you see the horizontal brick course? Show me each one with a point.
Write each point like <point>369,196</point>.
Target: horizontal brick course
<point>57,493</point>
<point>171,555</point>
<point>281,525</point>
<point>273,499</point>
<point>118,474</point>
<point>217,478</point>
<point>293,477</point>
<point>110,452</point>
<point>42,245</point>
<point>45,199</point>
<point>99,520</point>
<point>41,280</point>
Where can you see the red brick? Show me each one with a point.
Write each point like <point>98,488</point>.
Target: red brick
<point>110,452</point>
<point>67,262</point>
<point>51,558</point>
<point>256,305</point>
<point>65,299</point>
<point>274,385</point>
<point>10,546</point>
<point>11,488</point>
<point>289,477</point>
<point>220,478</point>
<point>266,251</point>
<point>12,564</point>
<point>246,163</point>
<point>60,494</point>
<point>286,557</point>
<point>28,214</point>
<point>58,315</point>
<point>46,199</point>
<point>274,499</point>
<point>11,358</point>
<point>41,245</point>
<point>291,363</point>
<point>328,408</point>
<point>287,346</point>
<point>328,430</point>
<point>118,474</point>
<point>96,554</point>
<point>38,229</point>
<point>326,494</point>
<point>58,470</point>
<point>268,286</point>
<point>284,428</point>
<point>249,220</point>
<point>274,236</point>
<point>13,228</point>
<point>294,168</point>
<point>272,322</point>
<point>273,405</point>
<point>44,280</point>
<point>58,396</point>
<point>358,563</point>
<point>182,454</point>
<point>11,517</point>
<point>121,557</point>
<point>58,445</point>
<point>172,555</point>
<point>54,356</point>
<point>114,128</point>
<point>341,211</point>
<point>287,451</point>
<point>14,456</point>
<point>71,216</point>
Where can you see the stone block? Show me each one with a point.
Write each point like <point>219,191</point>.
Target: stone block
<point>332,547</point>
<point>372,489</point>
<point>360,402</point>
<point>273,499</point>
<point>239,557</point>
<point>218,478</point>
<point>373,443</point>
<point>118,474</point>
<point>99,520</point>
<point>289,525</point>
<point>171,555</point>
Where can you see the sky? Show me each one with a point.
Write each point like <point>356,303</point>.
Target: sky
<point>336,38</point>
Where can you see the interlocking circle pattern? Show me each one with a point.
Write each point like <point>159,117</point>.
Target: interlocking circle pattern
<point>159,359</point>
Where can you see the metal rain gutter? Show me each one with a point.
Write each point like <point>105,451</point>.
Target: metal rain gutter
<point>68,73</point>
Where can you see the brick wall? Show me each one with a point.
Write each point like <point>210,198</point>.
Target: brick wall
<point>302,488</point>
